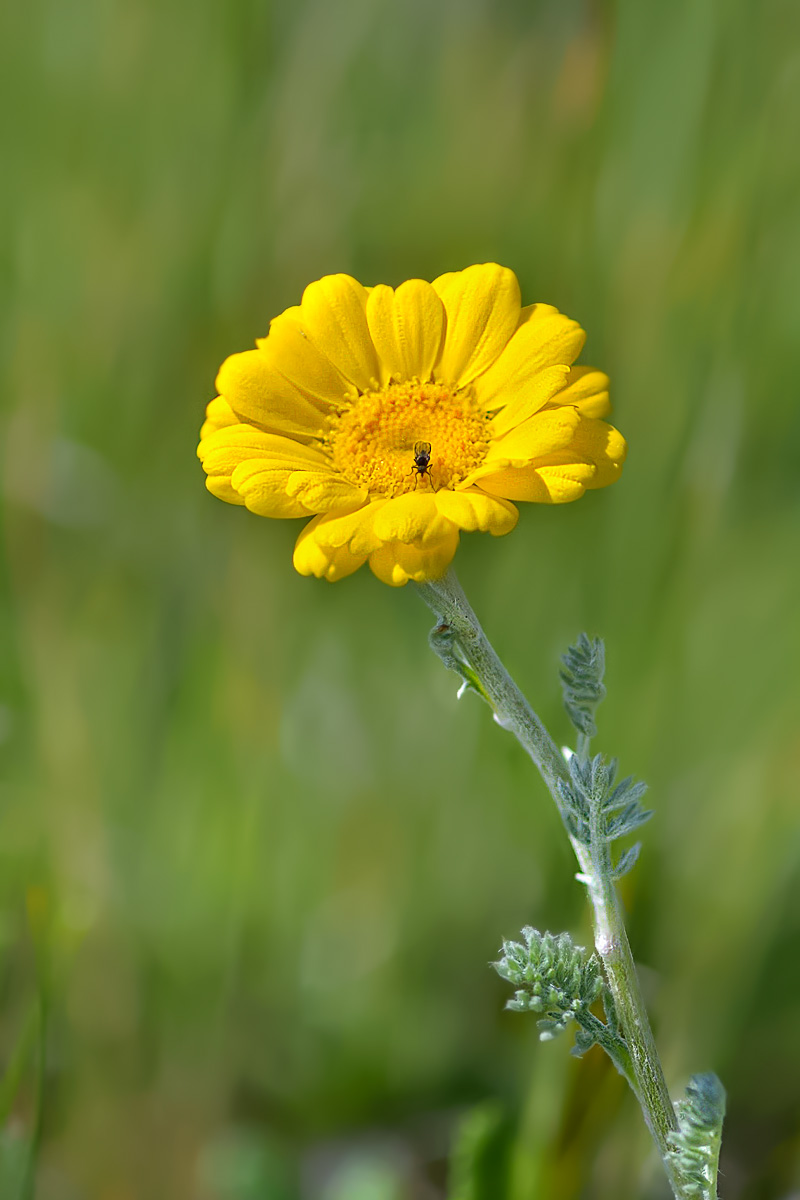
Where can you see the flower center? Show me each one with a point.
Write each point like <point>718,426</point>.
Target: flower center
<point>409,435</point>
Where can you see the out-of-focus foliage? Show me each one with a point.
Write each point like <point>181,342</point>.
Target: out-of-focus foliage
<point>266,856</point>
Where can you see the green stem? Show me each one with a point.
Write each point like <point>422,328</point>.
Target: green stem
<point>447,600</point>
<point>452,609</point>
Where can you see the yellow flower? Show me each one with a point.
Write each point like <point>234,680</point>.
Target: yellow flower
<point>397,418</point>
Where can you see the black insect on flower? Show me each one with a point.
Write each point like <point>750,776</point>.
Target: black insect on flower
<point>422,461</point>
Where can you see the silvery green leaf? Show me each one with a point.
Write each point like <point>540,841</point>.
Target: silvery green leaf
<point>626,861</point>
<point>629,791</point>
<point>627,821</point>
<point>582,682</point>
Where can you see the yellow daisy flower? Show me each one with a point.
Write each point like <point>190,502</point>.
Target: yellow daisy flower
<point>395,418</point>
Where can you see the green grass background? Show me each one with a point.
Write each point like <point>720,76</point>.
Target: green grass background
<point>253,855</point>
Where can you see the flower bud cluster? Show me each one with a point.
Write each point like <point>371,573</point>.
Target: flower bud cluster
<point>552,976</point>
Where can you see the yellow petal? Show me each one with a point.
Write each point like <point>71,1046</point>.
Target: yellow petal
<point>565,483</point>
<point>219,414</point>
<point>413,517</point>
<point>293,353</point>
<point>587,389</point>
<point>603,446</point>
<point>333,316</point>
<point>280,489</point>
<point>406,327</point>
<point>545,338</point>
<point>531,397</point>
<point>257,392</point>
<point>320,491</point>
<point>263,489</point>
<point>541,485</point>
<point>222,451</point>
<point>234,453</point>
<point>593,458</point>
<point>355,530</point>
<point>473,510</point>
<point>311,558</point>
<point>543,433</point>
<point>220,486</point>
<point>482,306</point>
<point>395,563</point>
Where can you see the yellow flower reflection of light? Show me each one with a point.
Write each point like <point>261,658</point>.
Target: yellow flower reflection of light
<point>330,416</point>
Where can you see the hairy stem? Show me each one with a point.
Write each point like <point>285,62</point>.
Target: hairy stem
<point>458,622</point>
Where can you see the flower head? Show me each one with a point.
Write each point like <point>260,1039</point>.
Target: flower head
<point>395,418</point>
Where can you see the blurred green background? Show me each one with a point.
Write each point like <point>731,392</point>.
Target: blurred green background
<point>254,858</point>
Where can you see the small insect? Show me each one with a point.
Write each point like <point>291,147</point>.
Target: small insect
<point>422,462</point>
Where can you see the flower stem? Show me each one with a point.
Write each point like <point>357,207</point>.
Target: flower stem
<point>457,622</point>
